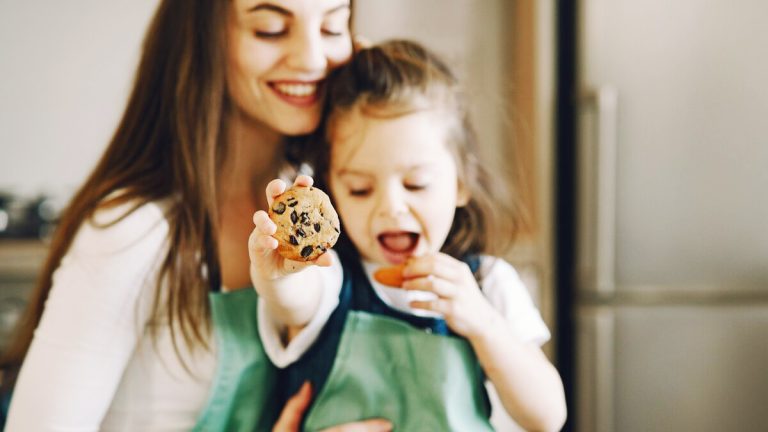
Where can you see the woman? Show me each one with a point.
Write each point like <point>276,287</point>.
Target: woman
<point>139,321</point>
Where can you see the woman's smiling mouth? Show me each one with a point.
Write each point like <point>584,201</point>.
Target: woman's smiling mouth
<point>299,93</point>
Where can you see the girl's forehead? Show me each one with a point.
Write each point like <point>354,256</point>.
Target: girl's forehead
<point>413,138</point>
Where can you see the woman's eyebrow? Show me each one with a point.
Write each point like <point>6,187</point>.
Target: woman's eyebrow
<point>271,7</point>
<point>283,11</point>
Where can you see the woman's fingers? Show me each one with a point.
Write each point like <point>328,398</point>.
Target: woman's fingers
<point>373,425</point>
<point>293,412</point>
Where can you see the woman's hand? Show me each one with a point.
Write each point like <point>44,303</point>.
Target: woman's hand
<point>459,298</point>
<point>266,263</point>
<point>290,418</point>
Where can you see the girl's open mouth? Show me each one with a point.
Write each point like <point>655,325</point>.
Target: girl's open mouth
<point>398,246</point>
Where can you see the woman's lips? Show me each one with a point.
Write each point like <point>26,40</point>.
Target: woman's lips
<point>298,93</point>
<point>397,247</point>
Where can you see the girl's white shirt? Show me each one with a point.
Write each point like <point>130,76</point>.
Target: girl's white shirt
<point>92,364</point>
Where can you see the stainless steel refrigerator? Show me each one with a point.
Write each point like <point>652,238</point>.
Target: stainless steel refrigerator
<point>670,251</point>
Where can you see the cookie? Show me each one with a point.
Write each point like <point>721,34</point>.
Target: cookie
<point>307,223</point>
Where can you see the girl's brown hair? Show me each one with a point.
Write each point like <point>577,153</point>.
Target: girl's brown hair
<point>167,145</point>
<point>400,77</point>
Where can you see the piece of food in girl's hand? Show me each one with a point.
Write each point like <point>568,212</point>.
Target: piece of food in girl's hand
<point>307,223</point>
<point>392,276</point>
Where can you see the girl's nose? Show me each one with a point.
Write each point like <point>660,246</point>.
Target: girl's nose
<point>392,202</point>
<point>306,52</point>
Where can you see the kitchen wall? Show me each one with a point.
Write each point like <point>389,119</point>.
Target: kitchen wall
<point>65,70</point>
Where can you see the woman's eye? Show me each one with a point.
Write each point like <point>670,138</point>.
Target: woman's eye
<point>270,34</point>
<point>359,192</point>
<point>329,32</point>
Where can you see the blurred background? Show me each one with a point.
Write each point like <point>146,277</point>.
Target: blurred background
<point>635,133</point>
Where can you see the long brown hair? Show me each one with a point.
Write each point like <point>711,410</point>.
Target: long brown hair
<point>399,77</point>
<point>167,145</point>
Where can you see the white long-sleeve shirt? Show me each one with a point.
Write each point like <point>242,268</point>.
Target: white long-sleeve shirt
<point>92,364</point>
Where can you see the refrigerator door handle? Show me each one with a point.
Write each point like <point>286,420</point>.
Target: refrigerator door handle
<point>597,202</point>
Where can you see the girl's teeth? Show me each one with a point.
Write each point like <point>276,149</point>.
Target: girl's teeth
<point>298,90</point>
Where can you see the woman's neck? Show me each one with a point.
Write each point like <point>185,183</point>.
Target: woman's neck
<point>254,154</point>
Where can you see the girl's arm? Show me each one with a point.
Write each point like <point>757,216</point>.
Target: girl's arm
<point>528,385</point>
<point>291,291</point>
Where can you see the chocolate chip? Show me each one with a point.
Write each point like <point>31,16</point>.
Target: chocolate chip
<point>336,229</point>
<point>305,219</point>
<point>322,248</point>
<point>294,217</point>
<point>317,227</point>
<point>306,251</point>
<point>292,203</point>
<point>279,208</point>
<point>294,241</point>
<point>300,232</point>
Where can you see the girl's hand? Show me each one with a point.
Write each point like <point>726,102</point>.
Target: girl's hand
<point>464,307</point>
<point>266,263</point>
<point>292,414</point>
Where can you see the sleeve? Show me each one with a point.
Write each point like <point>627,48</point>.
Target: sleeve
<point>283,355</point>
<point>92,320</point>
<point>505,290</point>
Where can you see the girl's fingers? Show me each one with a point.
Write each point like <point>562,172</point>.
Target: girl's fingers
<point>304,180</point>
<point>440,265</point>
<point>266,243</point>
<point>440,306</point>
<point>441,287</point>
<point>274,189</point>
<point>323,260</point>
<point>263,223</point>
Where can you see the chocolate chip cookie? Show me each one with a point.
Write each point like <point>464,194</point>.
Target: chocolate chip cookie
<point>307,223</point>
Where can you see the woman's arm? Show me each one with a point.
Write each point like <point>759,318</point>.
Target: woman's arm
<point>90,325</point>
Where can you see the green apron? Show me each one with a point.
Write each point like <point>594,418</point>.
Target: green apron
<point>384,368</point>
<point>242,395</point>
<point>389,369</point>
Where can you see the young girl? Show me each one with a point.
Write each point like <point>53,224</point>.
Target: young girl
<point>400,163</point>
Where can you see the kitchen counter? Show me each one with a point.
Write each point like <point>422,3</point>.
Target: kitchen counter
<point>20,263</point>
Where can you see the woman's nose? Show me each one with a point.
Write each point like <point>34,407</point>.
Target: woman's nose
<point>307,53</point>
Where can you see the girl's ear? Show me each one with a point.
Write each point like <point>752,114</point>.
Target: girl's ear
<point>462,194</point>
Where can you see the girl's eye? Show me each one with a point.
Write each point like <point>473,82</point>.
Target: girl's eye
<point>416,186</point>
